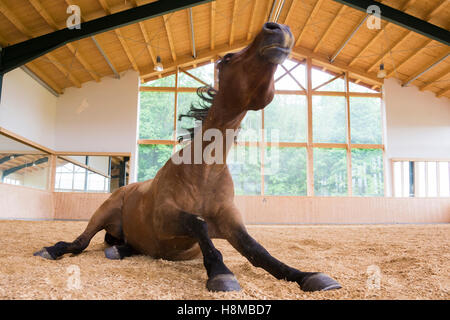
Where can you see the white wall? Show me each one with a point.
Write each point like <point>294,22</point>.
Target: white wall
<point>28,109</point>
<point>417,124</point>
<point>100,117</point>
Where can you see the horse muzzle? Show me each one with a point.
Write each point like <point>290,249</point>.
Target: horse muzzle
<point>277,42</point>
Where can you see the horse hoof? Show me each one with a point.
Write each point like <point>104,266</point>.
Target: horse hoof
<point>44,254</point>
<point>223,282</point>
<point>319,282</point>
<point>112,253</point>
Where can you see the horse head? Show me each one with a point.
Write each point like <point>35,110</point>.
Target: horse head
<point>247,77</point>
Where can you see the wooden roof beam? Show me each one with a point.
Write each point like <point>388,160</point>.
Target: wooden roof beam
<point>378,34</point>
<point>403,20</point>
<point>121,38</point>
<point>349,37</point>
<point>434,63</point>
<point>24,30</point>
<point>233,20</point>
<point>147,42</point>
<point>407,35</point>
<point>169,37</point>
<point>41,75</point>
<point>98,46</point>
<point>330,28</point>
<point>443,92</point>
<point>213,25</point>
<point>305,26</point>
<point>252,21</point>
<point>290,11</point>
<point>441,75</point>
<point>52,23</point>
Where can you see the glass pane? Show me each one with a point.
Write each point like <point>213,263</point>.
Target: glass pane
<point>79,180</point>
<point>251,127</point>
<point>365,120</point>
<point>354,87</point>
<point>330,172</point>
<point>419,179</point>
<point>367,172</point>
<point>96,183</point>
<point>398,179</point>
<point>185,101</point>
<point>286,82</point>
<point>329,119</point>
<point>285,119</point>
<point>22,165</point>
<point>432,179</point>
<point>99,163</point>
<point>406,179</point>
<point>168,81</point>
<point>319,77</point>
<point>444,177</point>
<point>151,159</point>
<point>285,171</point>
<point>204,73</point>
<point>245,168</point>
<point>156,115</point>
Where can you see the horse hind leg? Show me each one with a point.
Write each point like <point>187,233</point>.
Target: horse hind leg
<point>108,217</point>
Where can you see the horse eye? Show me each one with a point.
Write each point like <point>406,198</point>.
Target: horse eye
<point>227,57</point>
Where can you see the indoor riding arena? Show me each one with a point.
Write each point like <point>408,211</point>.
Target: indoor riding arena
<point>224,150</point>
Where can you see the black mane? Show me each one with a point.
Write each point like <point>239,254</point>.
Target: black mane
<point>198,111</point>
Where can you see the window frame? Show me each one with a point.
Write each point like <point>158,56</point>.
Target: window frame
<point>309,92</point>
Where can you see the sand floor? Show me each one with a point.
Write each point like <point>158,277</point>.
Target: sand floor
<point>370,262</point>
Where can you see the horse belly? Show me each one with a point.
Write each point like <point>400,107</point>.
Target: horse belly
<point>139,233</point>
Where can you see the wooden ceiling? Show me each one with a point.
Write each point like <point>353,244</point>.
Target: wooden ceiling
<point>321,28</point>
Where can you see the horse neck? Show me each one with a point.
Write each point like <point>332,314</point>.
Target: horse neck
<point>226,118</point>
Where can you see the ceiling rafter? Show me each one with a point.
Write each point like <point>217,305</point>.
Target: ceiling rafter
<point>232,26</point>
<point>24,30</point>
<point>213,25</point>
<point>407,34</point>
<point>310,17</point>
<point>290,12</point>
<point>349,37</point>
<point>121,38</point>
<point>252,21</point>
<point>440,76</point>
<point>52,23</point>
<point>44,77</point>
<point>428,67</point>
<point>98,46</point>
<point>378,34</point>
<point>147,42</point>
<point>330,28</point>
<point>169,36</point>
<point>443,92</point>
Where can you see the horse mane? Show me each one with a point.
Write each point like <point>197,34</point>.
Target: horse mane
<point>198,111</point>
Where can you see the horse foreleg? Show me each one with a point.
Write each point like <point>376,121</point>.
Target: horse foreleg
<point>234,231</point>
<point>220,278</point>
<point>107,216</point>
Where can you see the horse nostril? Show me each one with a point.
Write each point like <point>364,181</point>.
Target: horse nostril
<point>271,26</point>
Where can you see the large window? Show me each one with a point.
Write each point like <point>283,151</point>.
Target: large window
<point>321,135</point>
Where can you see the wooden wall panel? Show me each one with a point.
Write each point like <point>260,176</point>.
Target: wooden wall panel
<point>342,210</point>
<point>18,202</point>
<point>77,206</point>
<point>296,210</point>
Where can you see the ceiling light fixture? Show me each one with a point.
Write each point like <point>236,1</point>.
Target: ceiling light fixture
<point>382,73</point>
<point>158,66</point>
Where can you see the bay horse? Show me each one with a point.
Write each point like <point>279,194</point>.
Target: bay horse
<point>175,215</point>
